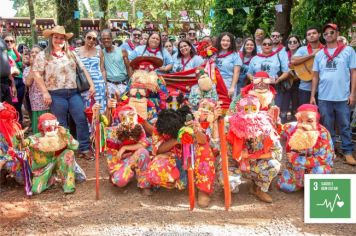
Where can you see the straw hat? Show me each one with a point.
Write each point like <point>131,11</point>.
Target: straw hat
<point>58,29</point>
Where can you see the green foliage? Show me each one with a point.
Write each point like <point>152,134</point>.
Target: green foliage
<point>317,13</point>
<point>43,8</point>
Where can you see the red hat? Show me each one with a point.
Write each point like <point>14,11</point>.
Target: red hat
<point>331,25</point>
<point>44,117</point>
<point>308,107</point>
<point>261,74</point>
<point>146,63</point>
<point>126,108</point>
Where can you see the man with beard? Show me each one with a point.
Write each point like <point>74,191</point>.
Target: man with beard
<point>127,154</point>
<point>52,154</point>
<point>133,42</point>
<point>255,149</point>
<point>260,87</point>
<point>309,149</point>
<point>167,168</point>
<point>302,55</point>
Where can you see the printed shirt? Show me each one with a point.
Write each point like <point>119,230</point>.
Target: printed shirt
<point>196,95</point>
<point>59,73</point>
<point>334,75</point>
<point>158,140</point>
<point>192,63</point>
<point>36,99</point>
<point>226,67</point>
<point>270,65</point>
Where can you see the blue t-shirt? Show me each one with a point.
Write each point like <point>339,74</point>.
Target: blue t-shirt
<point>140,51</point>
<point>301,52</point>
<point>127,47</point>
<point>226,67</point>
<point>334,76</point>
<point>243,74</point>
<point>269,64</point>
<point>194,62</point>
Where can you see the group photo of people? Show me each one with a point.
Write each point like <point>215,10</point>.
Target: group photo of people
<point>205,114</point>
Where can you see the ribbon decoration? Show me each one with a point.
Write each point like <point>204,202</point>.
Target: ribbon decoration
<point>279,7</point>
<point>120,14</point>
<point>126,15</point>
<point>76,15</point>
<point>198,12</point>
<point>211,13</point>
<point>168,14</point>
<point>139,14</point>
<point>246,9</point>
<point>230,11</point>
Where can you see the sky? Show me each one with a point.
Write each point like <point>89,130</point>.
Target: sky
<point>6,9</point>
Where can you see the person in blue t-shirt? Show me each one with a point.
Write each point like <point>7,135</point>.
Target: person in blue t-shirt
<point>133,42</point>
<point>248,51</point>
<point>275,64</point>
<point>302,55</point>
<point>259,37</point>
<point>334,70</point>
<point>186,58</point>
<point>154,48</point>
<point>228,61</point>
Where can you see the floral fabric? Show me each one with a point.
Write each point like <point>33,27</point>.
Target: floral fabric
<point>36,99</point>
<point>196,95</point>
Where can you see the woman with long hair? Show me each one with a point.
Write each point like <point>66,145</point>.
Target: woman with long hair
<point>228,62</point>
<point>186,58</point>
<point>249,50</point>
<point>55,73</point>
<point>154,48</point>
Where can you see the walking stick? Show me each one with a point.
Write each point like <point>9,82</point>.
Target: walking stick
<point>97,152</point>
<point>224,162</point>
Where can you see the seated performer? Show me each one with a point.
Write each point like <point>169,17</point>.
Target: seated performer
<point>255,148</point>
<point>309,149</point>
<point>127,154</point>
<point>166,168</point>
<point>52,154</point>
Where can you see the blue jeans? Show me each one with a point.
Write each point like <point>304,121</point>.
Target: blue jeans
<point>340,111</point>
<point>69,100</point>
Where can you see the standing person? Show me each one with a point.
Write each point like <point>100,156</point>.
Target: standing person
<point>274,64</point>
<point>192,36</point>
<point>55,74</point>
<point>277,41</point>
<point>36,100</point>
<point>78,42</point>
<point>133,42</point>
<point>154,47</point>
<point>259,37</point>
<point>228,62</point>
<point>249,50</point>
<point>164,37</point>
<point>116,64</point>
<point>6,80</point>
<point>334,70</point>
<point>93,60</point>
<point>186,58</point>
<point>20,86</point>
<point>291,95</point>
<point>239,43</point>
<point>144,38</point>
<point>302,55</point>
<point>169,47</point>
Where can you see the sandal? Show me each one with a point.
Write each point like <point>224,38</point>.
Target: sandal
<point>87,156</point>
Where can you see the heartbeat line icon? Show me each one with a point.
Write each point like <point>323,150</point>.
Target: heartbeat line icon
<point>331,205</point>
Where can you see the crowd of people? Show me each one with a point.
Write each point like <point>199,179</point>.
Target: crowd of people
<point>148,121</point>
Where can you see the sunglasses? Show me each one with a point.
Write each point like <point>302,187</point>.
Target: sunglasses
<point>191,33</point>
<point>331,32</point>
<point>292,42</point>
<point>91,38</point>
<point>267,44</point>
<point>275,36</point>
<point>137,35</point>
<point>9,41</point>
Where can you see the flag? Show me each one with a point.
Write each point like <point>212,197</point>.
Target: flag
<point>160,26</point>
<point>183,13</point>
<point>210,24</point>
<point>100,14</point>
<point>124,25</point>
<point>76,15</point>
<point>198,12</point>
<point>154,15</point>
<point>114,24</point>
<point>151,26</point>
<point>171,26</point>
<point>168,14</point>
<point>279,8</point>
<point>119,14</point>
<point>246,9</point>
<point>139,14</point>
<point>192,26</point>
<point>230,11</point>
<point>126,15</point>
<point>133,25</point>
<point>212,13</point>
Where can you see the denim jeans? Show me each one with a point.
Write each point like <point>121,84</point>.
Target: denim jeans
<point>69,100</point>
<point>339,112</point>
<point>20,87</point>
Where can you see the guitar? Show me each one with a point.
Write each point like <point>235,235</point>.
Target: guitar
<point>304,71</point>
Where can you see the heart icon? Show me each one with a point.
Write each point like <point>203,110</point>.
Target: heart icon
<point>340,204</point>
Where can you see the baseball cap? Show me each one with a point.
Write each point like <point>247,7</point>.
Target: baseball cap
<point>330,25</point>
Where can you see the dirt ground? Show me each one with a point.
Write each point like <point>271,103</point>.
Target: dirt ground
<point>127,212</point>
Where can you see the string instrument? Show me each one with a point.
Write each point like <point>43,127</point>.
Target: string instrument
<point>304,71</point>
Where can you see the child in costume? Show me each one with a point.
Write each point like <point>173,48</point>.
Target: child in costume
<point>127,153</point>
<point>309,149</point>
<point>255,149</point>
<point>166,169</point>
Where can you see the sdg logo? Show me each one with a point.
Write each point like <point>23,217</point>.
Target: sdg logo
<point>330,198</point>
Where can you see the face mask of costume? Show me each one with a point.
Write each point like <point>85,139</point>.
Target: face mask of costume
<point>50,127</point>
<point>261,85</point>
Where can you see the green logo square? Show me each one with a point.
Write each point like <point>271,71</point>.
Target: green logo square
<point>330,198</point>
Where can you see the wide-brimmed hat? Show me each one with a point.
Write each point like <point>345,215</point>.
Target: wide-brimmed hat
<point>58,29</point>
<point>146,61</point>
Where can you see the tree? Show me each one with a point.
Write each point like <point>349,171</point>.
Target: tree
<point>283,24</point>
<point>103,5</point>
<point>44,8</point>
<point>32,21</point>
<point>65,15</point>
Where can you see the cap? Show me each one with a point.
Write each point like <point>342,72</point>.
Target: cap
<point>330,25</point>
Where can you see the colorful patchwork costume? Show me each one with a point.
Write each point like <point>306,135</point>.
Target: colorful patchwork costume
<point>309,149</point>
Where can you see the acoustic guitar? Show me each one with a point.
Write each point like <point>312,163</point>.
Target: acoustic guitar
<point>304,70</point>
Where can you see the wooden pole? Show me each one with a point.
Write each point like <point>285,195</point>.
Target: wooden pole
<point>97,153</point>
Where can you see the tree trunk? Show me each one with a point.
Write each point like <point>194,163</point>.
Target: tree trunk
<point>283,24</point>
<point>104,7</point>
<point>32,22</point>
<point>65,15</point>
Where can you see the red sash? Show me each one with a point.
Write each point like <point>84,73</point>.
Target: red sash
<point>132,46</point>
<point>310,49</point>
<point>184,64</point>
<point>225,54</point>
<point>153,51</point>
<point>338,50</point>
<point>242,59</point>
<point>272,53</point>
